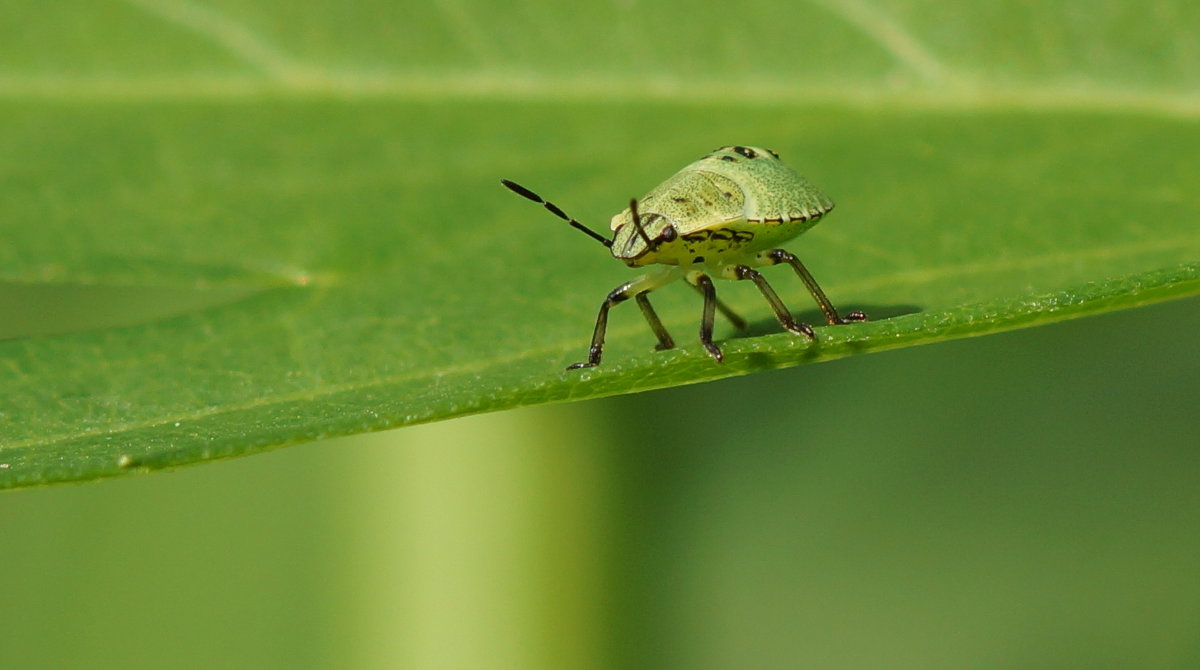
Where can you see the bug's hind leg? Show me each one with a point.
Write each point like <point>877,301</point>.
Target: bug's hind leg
<point>637,289</point>
<point>781,311</point>
<point>776,256</point>
<point>705,284</point>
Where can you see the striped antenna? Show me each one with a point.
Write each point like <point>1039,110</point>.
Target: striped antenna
<point>553,208</point>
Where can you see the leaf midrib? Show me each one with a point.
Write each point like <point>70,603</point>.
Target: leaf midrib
<point>504,87</point>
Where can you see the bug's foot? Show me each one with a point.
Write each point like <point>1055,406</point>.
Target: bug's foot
<point>663,347</point>
<point>714,351</point>
<point>801,329</point>
<point>593,358</point>
<point>853,317</point>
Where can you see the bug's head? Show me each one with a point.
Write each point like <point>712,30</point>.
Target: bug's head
<point>640,238</point>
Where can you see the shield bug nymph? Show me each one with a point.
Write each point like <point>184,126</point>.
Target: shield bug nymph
<point>722,216</point>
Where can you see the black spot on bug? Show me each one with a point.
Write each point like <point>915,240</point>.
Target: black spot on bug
<point>746,151</point>
<point>731,159</point>
<point>698,259</point>
<point>727,194</point>
<point>772,152</point>
<point>678,198</point>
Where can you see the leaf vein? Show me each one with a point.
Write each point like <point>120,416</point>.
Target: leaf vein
<point>235,38</point>
<point>892,37</point>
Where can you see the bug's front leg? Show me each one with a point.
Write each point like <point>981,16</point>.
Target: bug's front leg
<point>637,288</point>
<point>776,256</point>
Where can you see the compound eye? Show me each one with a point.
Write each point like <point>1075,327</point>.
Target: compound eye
<point>669,234</point>
<point>746,151</point>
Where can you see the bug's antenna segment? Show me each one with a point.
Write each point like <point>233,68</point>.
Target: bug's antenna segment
<point>637,223</point>
<point>553,208</point>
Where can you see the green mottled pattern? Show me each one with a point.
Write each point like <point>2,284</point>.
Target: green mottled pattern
<point>743,188</point>
<point>773,190</point>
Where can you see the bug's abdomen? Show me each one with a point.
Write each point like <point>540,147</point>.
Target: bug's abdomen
<point>772,232</point>
<point>712,243</point>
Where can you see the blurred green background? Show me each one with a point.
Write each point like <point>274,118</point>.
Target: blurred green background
<point>1029,499</point>
<point>1024,500</point>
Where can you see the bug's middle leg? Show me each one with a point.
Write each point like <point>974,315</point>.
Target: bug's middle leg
<point>726,311</point>
<point>704,283</point>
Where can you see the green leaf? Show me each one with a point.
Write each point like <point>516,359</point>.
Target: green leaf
<point>234,226</point>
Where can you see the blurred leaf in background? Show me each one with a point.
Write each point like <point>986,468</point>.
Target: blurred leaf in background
<point>231,226</point>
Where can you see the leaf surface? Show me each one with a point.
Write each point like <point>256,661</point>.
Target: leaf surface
<point>254,225</point>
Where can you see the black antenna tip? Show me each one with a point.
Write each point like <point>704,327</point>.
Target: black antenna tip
<point>521,190</point>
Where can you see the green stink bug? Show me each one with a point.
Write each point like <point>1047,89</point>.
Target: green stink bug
<point>721,216</point>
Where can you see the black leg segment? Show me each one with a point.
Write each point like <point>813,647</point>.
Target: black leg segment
<point>727,312</point>
<point>704,283</point>
<point>618,295</point>
<point>637,289</point>
<point>777,256</point>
